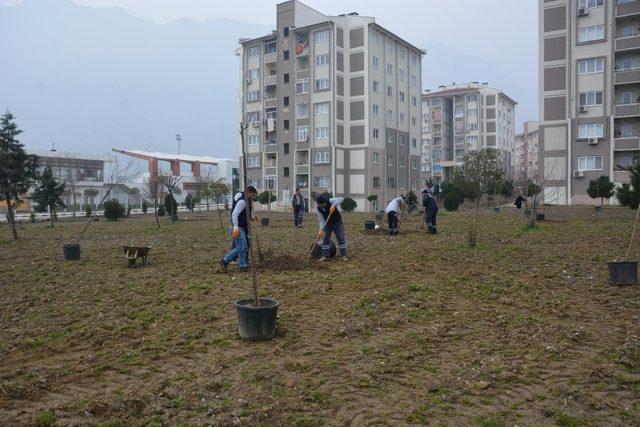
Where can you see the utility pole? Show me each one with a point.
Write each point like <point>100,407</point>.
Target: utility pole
<point>179,140</point>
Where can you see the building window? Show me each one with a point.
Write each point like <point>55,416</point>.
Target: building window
<point>376,157</point>
<point>322,133</point>
<point>390,114</point>
<point>375,110</point>
<point>401,183</point>
<point>591,130</point>
<point>285,55</point>
<point>285,172</point>
<point>414,163</point>
<point>389,69</point>
<point>302,111</point>
<point>473,126</point>
<point>253,162</point>
<point>590,163</point>
<point>389,160</point>
<point>472,143</point>
<point>286,78</point>
<point>376,62</point>
<point>302,133</point>
<point>590,34</point>
<point>322,157</point>
<point>472,98</point>
<point>389,137</point>
<point>389,91</point>
<point>401,74</point>
<point>414,59</point>
<point>321,36</point>
<point>376,182</point>
<point>401,53</point>
<point>401,161</point>
<point>322,60</point>
<point>401,117</point>
<point>414,143</point>
<point>586,4</point>
<point>376,134</point>
<point>626,98</point>
<point>414,80</point>
<point>302,86</point>
<point>590,98</point>
<point>285,31</point>
<point>402,96</point>
<point>590,66</point>
<point>403,139</point>
<point>414,101</point>
<point>414,121</point>
<point>253,51</point>
<point>376,86</point>
<point>322,181</point>
<point>254,73</point>
<point>285,124</point>
<point>285,101</point>
<point>321,108</point>
<point>286,148</point>
<point>253,96</point>
<point>391,182</point>
<point>322,84</point>
<point>254,139</point>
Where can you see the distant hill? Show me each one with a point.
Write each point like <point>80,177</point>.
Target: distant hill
<point>89,78</point>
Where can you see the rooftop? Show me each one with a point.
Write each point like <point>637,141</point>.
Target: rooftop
<point>72,155</point>
<point>168,157</point>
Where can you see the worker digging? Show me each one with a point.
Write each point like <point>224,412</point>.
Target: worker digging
<point>394,207</point>
<point>330,221</point>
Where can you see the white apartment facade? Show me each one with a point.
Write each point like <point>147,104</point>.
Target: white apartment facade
<point>458,119</point>
<point>526,157</point>
<point>333,104</point>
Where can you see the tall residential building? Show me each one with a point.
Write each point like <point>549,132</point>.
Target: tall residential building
<point>458,119</point>
<point>333,104</point>
<point>526,157</point>
<point>589,94</point>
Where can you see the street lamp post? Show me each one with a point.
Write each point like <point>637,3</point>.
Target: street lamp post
<point>179,140</point>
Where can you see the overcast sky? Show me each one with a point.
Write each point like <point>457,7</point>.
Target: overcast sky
<point>502,31</point>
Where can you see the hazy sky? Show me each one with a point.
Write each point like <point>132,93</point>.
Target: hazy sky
<point>502,31</point>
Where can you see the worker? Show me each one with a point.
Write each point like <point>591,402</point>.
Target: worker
<point>330,221</point>
<point>393,209</point>
<point>241,212</point>
<point>430,211</point>
<point>297,205</point>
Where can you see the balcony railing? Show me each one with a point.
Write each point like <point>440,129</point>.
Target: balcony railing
<point>270,57</point>
<point>621,176</point>
<point>627,110</point>
<point>628,43</point>
<point>631,143</point>
<point>628,9</point>
<point>271,80</point>
<point>627,76</point>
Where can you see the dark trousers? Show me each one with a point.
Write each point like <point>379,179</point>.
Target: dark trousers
<point>297,215</point>
<point>338,230</point>
<point>394,227</point>
<point>430,219</point>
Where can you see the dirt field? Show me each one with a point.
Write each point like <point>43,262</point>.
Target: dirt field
<point>415,329</point>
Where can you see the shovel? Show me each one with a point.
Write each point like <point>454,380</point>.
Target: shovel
<point>316,241</point>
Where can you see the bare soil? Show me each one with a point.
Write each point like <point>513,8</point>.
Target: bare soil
<point>414,329</point>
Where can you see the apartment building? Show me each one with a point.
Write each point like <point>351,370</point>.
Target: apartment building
<point>589,94</point>
<point>333,104</point>
<point>458,119</point>
<point>526,157</point>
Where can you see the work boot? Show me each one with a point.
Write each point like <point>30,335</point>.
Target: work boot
<point>224,265</point>
<point>323,259</point>
<point>345,259</point>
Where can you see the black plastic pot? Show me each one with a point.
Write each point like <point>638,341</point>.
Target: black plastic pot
<point>71,252</point>
<point>265,221</point>
<point>497,210</point>
<point>540,217</point>
<point>257,323</point>
<point>598,208</point>
<point>369,225</point>
<point>317,250</point>
<point>623,272</point>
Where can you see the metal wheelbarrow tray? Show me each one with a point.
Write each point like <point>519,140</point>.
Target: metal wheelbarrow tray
<point>132,252</point>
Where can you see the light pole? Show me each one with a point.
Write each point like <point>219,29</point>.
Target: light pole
<point>179,140</point>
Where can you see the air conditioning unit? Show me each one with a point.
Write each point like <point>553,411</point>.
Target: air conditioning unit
<point>593,141</point>
<point>578,174</point>
<point>248,81</point>
<point>583,109</point>
<point>583,11</point>
<point>256,124</point>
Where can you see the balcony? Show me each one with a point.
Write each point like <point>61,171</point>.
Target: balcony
<point>302,48</point>
<point>627,43</point>
<point>271,57</point>
<point>627,76</point>
<point>632,143</point>
<point>270,101</point>
<point>270,147</point>
<point>628,9</point>
<point>627,110</point>
<point>270,80</point>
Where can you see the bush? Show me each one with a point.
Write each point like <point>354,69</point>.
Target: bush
<point>170,204</point>
<point>45,419</point>
<point>113,210</point>
<point>263,198</point>
<point>32,216</point>
<point>145,207</point>
<point>128,211</point>
<point>161,210</point>
<point>348,204</point>
<point>451,202</point>
<point>88,211</point>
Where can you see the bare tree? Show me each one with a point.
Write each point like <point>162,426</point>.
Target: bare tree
<point>151,190</point>
<point>219,189</point>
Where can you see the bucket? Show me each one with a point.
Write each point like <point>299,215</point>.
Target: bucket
<point>265,221</point>
<point>497,210</point>
<point>539,217</point>
<point>369,225</point>
<point>257,323</point>
<point>623,272</point>
<point>317,250</point>
<point>71,252</point>
<point>598,208</point>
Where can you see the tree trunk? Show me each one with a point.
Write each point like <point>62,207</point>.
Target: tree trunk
<point>474,233</point>
<point>207,200</point>
<point>51,214</point>
<point>73,194</point>
<point>155,210</point>
<point>12,219</point>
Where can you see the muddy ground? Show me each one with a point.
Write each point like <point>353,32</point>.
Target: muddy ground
<point>414,329</point>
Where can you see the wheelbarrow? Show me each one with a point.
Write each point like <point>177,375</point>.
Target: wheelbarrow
<point>132,252</point>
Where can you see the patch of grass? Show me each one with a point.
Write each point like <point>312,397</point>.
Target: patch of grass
<point>565,420</point>
<point>45,419</point>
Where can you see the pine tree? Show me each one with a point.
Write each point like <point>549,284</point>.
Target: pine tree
<point>629,194</point>
<point>601,188</point>
<point>17,168</point>
<point>47,194</point>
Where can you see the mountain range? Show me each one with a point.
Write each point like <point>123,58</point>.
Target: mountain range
<point>88,79</point>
